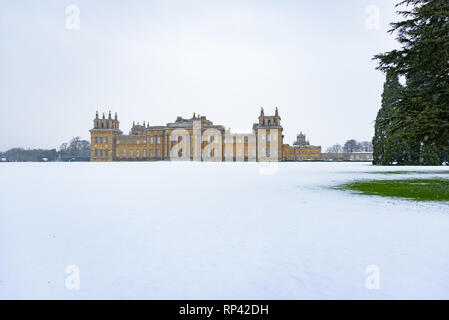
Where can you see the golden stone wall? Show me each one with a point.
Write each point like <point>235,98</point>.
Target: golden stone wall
<point>195,139</point>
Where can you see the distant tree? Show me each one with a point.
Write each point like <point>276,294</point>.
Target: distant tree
<point>23,155</point>
<point>75,148</point>
<point>365,146</point>
<point>351,146</point>
<point>336,148</point>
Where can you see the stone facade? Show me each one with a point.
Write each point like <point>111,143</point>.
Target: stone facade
<point>354,156</point>
<point>199,139</point>
<point>196,139</point>
<point>301,150</point>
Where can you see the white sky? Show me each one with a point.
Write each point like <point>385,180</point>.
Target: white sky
<point>156,60</point>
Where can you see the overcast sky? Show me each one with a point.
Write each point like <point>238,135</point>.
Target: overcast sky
<point>156,60</point>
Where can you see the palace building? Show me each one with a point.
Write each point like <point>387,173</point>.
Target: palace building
<point>199,139</point>
<point>301,150</point>
<point>196,139</point>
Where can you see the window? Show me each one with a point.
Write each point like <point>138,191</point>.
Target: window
<point>124,153</point>
<point>101,153</point>
<point>268,152</point>
<point>106,140</point>
<point>144,141</point>
<point>117,153</point>
<point>151,140</point>
<point>145,153</point>
<point>101,140</point>
<point>269,138</point>
<point>151,153</point>
<point>158,140</point>
<point>269,122</point>
<point>106,152</point>
<point>158,152</point>
<point>96,153</point>
<point>130,153</point>
<point>138,141</point>
<point>96,140</point>
<point>263,137</point>
<point>118,141</point>
<point>137,153</point>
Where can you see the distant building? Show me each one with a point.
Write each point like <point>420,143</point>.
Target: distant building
<point>196,139</point>
<point>199,139</point>
<point>301,150</point>
<point>354,156</point>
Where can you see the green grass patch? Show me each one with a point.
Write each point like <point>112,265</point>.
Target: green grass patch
<point>409,172</point>
<point>415,189</point>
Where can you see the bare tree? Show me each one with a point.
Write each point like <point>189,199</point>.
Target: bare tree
<point>336,148</point>
<point>76,148</point>
<point>366,146</point>
<point>351,146</point>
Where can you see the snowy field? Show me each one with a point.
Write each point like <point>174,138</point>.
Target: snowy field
<point>172,230</point>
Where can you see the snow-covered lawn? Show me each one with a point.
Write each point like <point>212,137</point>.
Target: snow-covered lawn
<point>172,230</point>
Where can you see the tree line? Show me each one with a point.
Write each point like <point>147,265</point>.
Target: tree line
<point>75,149</point>
<point>351,146</point>
<point>412,125</point>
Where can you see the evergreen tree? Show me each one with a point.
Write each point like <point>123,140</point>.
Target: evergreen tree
<point>430,156</point>
<point>421,115</point>
<point>390,97</point>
